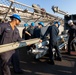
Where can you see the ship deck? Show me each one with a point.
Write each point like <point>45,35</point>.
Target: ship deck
<point>40,67</point>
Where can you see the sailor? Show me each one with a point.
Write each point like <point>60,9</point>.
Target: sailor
<point>37,30</point>
<point>25,34</point>
<point>31,29</point>
<point>9,33</point>
<point>71,34</point>
<point>53,31</point>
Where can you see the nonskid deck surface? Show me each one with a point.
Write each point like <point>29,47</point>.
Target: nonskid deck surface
<point>40,67</point>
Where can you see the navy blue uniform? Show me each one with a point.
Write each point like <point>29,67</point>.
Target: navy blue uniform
<point>53,31</point>
<point>72,35</point>
<point>7,35</point>
<point>37,33</point>
<point>31,31</point>
<point>25,36</point>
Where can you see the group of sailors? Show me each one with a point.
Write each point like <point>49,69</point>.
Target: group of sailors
<point>9,33</point>
<point>32,31</point>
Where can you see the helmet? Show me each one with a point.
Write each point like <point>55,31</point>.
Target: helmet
<point>70,21</point>
<point>32,24</point>
<point>16,16</point>
<point>56,22</point>
<point>41,23</point>
<point>25,25</point>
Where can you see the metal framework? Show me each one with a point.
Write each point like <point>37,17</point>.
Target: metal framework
<point>57,10</point>
<point>17,7</point>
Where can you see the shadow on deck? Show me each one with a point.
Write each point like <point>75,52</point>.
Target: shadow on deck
<point>40,67</point>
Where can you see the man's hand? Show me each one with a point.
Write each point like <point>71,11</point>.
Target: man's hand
<point>40,40</point>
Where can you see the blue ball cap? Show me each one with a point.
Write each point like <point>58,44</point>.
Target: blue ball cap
<point>57,23</point>
<point>16,16</point>
<point>41,23</point>
<point>32,24</point>
<point>25,25</point>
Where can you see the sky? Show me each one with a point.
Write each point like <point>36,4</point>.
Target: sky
<point>65,5</point>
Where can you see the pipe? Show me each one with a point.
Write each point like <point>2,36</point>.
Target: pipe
<point>15,45</point>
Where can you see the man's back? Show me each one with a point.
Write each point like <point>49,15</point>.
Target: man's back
<point>53,31</point>
<point>37,32</point>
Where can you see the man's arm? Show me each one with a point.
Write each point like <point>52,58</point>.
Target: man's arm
<point>27,33</point>
<point>0,30</point>
<point>2,27</point>
<point>19,38</point>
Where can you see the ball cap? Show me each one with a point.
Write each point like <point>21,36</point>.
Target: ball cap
<point>70,21</point>
<point>16,17</point>
<point>57,22</point>
<point>25,25</point>
<point>41,23</point>
<point>32,24</point>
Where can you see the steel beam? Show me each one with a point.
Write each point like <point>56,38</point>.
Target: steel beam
<point>8,9</point>
<point>15,45</point>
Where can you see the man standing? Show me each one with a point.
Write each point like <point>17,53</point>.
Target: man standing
<point>53,31</point>
<point>37,31</point>
<point>31,29</point>
<point>9,33</point>
<point>71,34</point>
<point>25,34</point>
